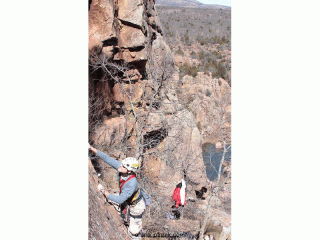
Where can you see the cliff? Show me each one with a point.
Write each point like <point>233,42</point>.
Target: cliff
<point>128,33</point>
<point>135,110</point>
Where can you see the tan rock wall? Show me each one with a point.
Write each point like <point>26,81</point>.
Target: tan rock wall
<point>128,32</point>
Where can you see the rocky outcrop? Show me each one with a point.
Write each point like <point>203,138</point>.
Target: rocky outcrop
<point>217,230</point>
<point>102,33</point>
<point>134,107</point>
<point>210,101</point>
<point>128,32</point>
<point>121,29</point>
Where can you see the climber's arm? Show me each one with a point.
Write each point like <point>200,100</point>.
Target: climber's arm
<point>109,160</point>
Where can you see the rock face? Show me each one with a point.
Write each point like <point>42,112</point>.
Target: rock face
<point>101,25</point>
<point>210,101</point>
<point>104,221</point>
<point>120,29</point>
<point>134,109</point>
<point>128,32</point>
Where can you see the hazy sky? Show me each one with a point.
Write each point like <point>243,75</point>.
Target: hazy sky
<point>220,2</point>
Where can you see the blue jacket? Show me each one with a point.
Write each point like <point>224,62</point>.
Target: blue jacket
<point>128,189</point>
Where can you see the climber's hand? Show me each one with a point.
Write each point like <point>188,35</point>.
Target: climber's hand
<point>100,187</point>
<point>92,149</point>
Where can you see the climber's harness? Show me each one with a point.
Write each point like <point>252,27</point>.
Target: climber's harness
<point>136,197</point>
<point>131,202</point>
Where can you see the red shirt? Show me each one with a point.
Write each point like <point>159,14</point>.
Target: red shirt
<point>176,197</point>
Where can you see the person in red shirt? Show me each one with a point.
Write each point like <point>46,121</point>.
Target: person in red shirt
<point>179,196</point>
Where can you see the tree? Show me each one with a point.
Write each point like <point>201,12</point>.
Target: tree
<point>115,73</point>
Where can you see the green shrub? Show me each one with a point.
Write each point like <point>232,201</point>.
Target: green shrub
<point>223,40</point>
<point>193,55</point>
<point>171,34</point>
<point>186,38</point>
<point>216,53</point>
<point>210,65</point>
<point>218,39</point>
<point>186,69</point>
<point>198,38</point>
<point>203,41</point>
<point>179,51</point>
<point>199,126</point>
<point>221,71</point>
<point>202,55</point>
<point>190,100</point>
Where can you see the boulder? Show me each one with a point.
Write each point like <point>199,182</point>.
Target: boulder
<point>130,37</point>
<point>131,11</point>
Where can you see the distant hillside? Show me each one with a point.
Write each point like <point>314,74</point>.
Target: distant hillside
<point>199,25</point>
<point>188,4</point>
<point>200,39</point>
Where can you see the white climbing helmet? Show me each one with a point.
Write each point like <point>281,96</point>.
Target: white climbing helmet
<point>131,164</point>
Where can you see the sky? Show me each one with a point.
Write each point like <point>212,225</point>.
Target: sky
<point>219,2</point>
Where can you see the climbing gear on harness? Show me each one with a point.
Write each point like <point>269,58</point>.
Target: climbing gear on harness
<point>136,198</point>
<point>125,214</point>
<point>130,163</point>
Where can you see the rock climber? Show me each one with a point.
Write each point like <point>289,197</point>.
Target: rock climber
<point>179,196</point>
<point>130,199</point>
